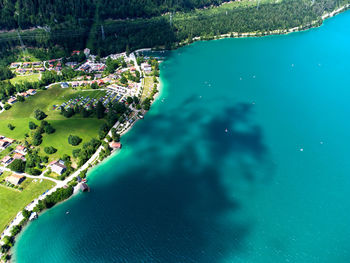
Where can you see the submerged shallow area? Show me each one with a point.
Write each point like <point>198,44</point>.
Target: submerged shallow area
<point>243,158</point>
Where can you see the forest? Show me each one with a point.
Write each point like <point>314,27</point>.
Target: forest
<point>107,26</point>
<point>29,13</point>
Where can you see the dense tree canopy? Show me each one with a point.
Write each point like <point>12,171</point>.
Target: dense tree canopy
<point>107,26</point>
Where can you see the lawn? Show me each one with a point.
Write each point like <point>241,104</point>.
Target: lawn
<point>28,78</point>
<point>148,87</point>
<point>22,112</point>
<point>12,201</point>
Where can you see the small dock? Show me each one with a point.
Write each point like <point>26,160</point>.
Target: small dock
<point>84,187</point>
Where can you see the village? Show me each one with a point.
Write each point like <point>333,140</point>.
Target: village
<point>133,83</point>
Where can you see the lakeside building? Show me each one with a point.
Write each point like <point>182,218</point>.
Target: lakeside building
<point>15,179</point>
<point>84,187</point>
<point>115,145</point>
<point>58,167</point>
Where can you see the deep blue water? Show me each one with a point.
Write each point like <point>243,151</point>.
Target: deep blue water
<point>273,188</point>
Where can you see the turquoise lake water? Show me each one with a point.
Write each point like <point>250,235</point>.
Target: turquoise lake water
<point>243,158</point>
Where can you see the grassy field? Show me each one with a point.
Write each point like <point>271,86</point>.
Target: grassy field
<point>22,112</point>
<point>28,78</point>
<point>148,87</point>
<point>12,201</point>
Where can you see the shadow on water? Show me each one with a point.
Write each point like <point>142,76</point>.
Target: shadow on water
<point>178,209</point>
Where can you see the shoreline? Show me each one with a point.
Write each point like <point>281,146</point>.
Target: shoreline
<point>92,163</point>
<point>94,160</point>
<point>313,24</point>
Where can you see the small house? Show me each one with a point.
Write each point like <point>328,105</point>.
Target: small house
<point>12,100</point>
<point>6,160</point>
<point>15,65</point>
<point>21,149</point>
<point>58,167</point>
<point>19,156</point>
<point>64,85</point>
<point>15,179</point>
<point>31,91</point>
<point>75,52</point>
<point>87,52</point>
<point>9,140</point>
<point>115,145</point>
<point>3,144</point>
<point>84,187</point>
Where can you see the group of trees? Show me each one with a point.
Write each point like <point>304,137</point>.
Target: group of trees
<point>98,111</point>
<point>17,166</point>
<point>7,89</point>
<point>83,154</point>
<point>38,131</point>
<point>113,64</point>
<point>59,195</point>
<point>33,163</point>
<point>5,73</point>
<point>50,150</point>
<point>39,115</point>
<point>74,140</point>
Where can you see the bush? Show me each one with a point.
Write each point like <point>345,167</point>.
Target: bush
<point>26,213</point>
<point>32,125</point>
<point>74,140</point>
<point>39,115</point>
<point>10,126</point>
<point>37,139</point>
<point>76,153</point>
<point>50,150</point>
<point>7,106</point>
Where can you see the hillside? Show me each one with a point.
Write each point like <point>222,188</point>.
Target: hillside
<point>112,26</point>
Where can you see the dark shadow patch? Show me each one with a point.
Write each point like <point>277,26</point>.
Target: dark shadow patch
<point>178,209</point>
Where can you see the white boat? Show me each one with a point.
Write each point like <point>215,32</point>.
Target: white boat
<point>33,216</point>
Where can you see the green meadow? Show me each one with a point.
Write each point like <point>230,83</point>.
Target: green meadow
<point>22,112</point>
<point>12,201</point>
<point>25,78</point>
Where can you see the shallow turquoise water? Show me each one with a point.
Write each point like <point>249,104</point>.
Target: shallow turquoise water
<point>273,188</point>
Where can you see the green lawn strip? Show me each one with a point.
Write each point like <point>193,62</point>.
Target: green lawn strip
<point>12,201</point>
<point>148,87</point>
<point>28,78</point>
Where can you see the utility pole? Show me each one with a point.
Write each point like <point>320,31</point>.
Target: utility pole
<point>171,19</point>
<point>103,32</point>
